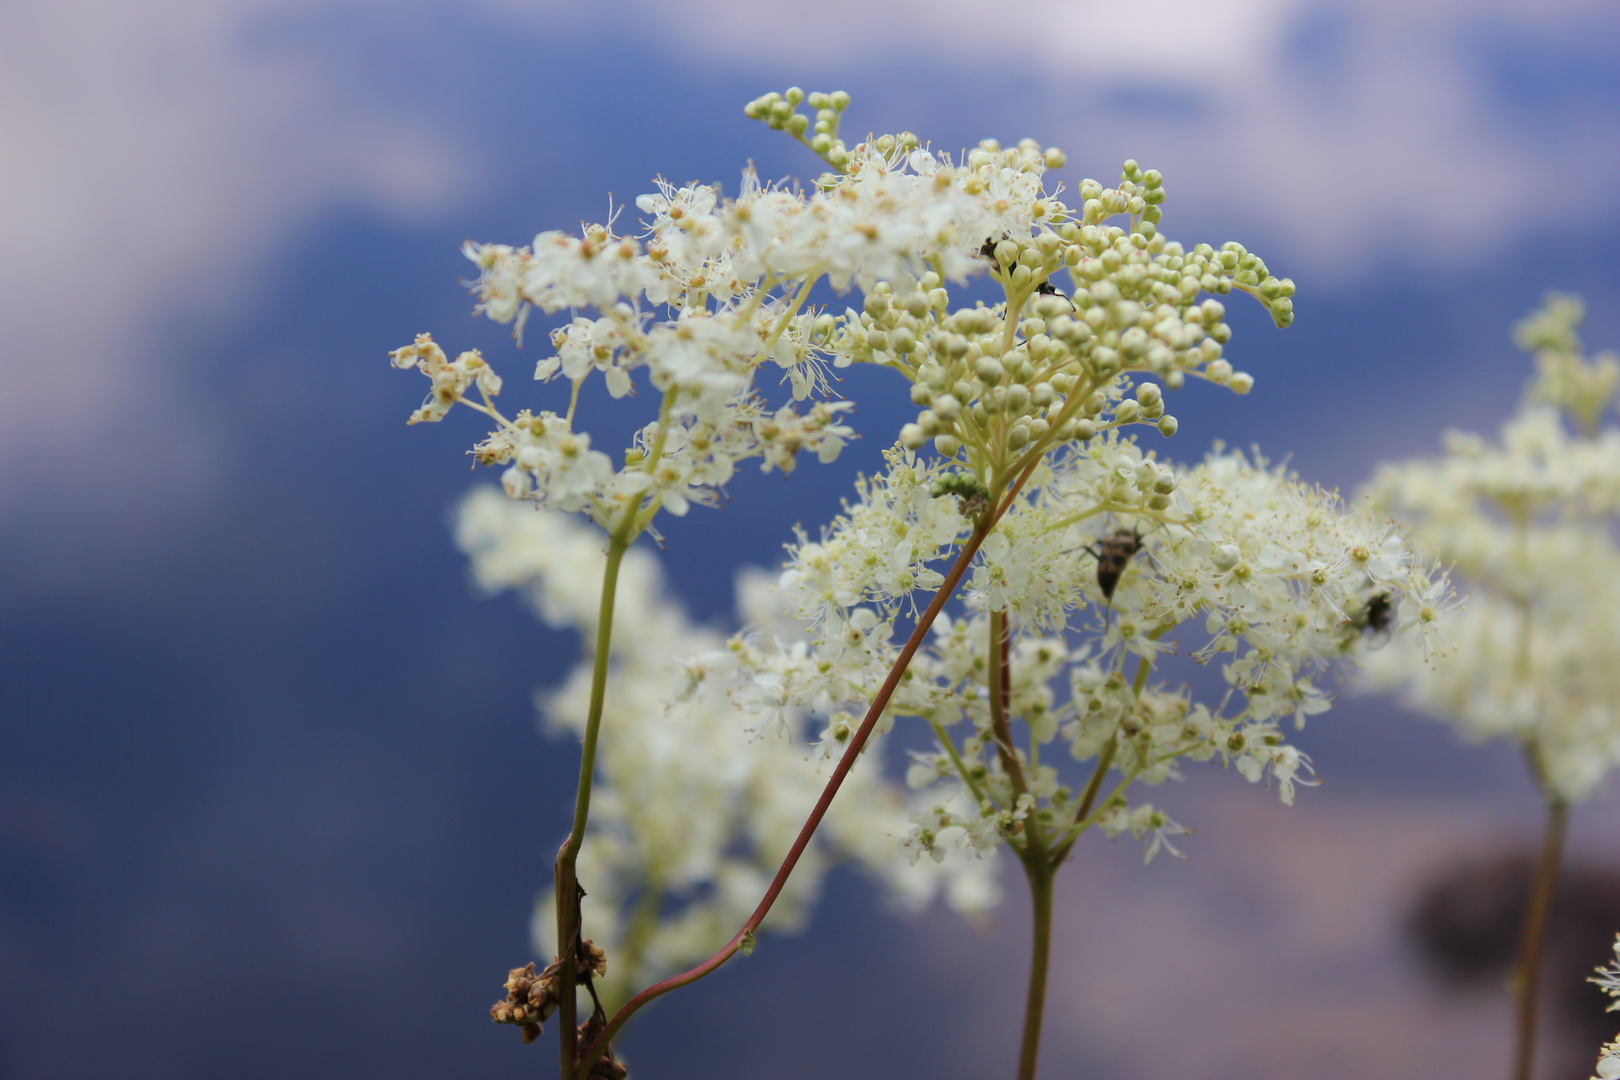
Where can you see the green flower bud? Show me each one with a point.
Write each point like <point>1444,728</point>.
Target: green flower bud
<point>962,390</point>
<point>1018,437</point>
<point>794,95</point>
<point>989,369</point>
<point>1126,412</point>
<point>1168,426</point>
<point>947,445</point>
<point>921,394</point>
<point>912,437</point>
<point>1148,394</point>
<point>1041,394</point>
<point>1082,429</point>
<point>1241,382</point>
<point>947,406</point>
<point>902,341</point>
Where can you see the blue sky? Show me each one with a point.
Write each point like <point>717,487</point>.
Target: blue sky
<point>268,767</point>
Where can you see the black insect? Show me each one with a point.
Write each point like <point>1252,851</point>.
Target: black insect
<point>988,250</point>
<point>1378,613</point>
<point>1112,553</point>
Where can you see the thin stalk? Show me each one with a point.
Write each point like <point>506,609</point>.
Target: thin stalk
<point>1000,684</point>
<point>567,880</point>
<point>845,763</point>
<point>1527,980</point>
<point>1041,881</point>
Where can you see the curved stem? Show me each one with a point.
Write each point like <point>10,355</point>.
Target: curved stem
<point>845,763</point>
<point>1041,880</point>
<point>1527,980</point>
<point>567,880</point>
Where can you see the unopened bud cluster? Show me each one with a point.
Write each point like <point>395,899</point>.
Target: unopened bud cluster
<point>1006,375</point>
<point>531,999</point>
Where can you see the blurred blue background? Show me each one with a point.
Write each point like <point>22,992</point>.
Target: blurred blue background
<point>272,799</point>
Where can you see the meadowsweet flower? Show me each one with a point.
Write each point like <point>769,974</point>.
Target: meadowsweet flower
<point>1083,554</point>
<point>1271,576</point>
<point>1528,521</point>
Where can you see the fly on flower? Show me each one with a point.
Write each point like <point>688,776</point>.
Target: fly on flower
<point>1113,554</point>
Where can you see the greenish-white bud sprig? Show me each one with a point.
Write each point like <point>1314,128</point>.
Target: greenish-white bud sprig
<point>1581,387</point>
<point>1044,368</point>
<point>820,134</point>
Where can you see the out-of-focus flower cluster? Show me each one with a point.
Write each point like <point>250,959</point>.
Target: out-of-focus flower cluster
<point>691,812</point>
<point>1608,1066</point>
<point>1233,560</point>
<point>1528,521</point>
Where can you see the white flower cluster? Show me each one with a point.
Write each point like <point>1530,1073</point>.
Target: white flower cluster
<point>1529,522</point>
<point>715,288</point>
<point>691,811</point>
<point>1277,576</point>
<point>1608,1066</point>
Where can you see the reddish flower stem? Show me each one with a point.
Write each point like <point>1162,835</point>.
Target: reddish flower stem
<point>845,763</point>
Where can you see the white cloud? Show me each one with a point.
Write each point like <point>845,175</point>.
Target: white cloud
<point>1339,130</point>
<point>154,154</point>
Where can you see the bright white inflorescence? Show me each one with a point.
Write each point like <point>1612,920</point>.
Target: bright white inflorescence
<point>1608,1066</point>
<point>691,813</point>
<point>1028,409</point>
<point>714,288</point>
<point>1529,523</point>
<point>1271,574</point>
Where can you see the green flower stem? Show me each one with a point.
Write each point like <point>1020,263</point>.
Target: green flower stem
<point>1527,976</point>
<point>567,880</point>
<point>949,744</point>
<point>1041,870</point>
<point>1041,879</point>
